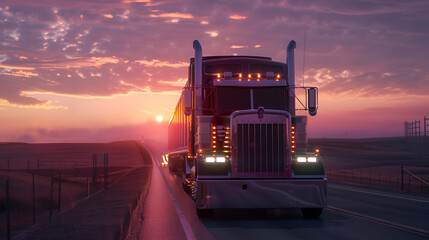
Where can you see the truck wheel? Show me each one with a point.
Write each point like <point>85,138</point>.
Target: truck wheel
<point>311,212</point>
<point>172,166</point>
<point>205,213</point>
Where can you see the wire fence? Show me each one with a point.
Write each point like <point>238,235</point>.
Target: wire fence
<point>34,191</point>
<point>413,130</point>
<point>401,180</point>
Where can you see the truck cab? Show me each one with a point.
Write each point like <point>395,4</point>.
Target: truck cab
<point>237,139</point>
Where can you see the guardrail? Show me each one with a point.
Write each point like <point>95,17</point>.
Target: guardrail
<point>410,174</point>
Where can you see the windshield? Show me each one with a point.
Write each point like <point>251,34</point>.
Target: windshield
<point>230,99</point>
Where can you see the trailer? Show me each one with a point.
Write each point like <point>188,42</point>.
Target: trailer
<point>235,136</point>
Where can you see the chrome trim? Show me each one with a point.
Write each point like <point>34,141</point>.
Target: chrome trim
<point>216,194</point>
<point>198,69</point>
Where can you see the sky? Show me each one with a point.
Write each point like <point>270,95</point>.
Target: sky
<point>103,70</point>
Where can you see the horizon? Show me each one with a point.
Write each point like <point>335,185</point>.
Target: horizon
<point>100,70</point>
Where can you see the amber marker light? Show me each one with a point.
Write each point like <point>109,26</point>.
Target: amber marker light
<point>240,75</point>
<point>317,150</point>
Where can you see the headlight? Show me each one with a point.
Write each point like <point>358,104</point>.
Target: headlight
<point>218,159</point>
<point>306,159</point>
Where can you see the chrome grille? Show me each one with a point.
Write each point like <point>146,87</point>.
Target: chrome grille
<point>260,149</point>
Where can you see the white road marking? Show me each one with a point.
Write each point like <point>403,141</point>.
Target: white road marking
<point>379,194</point>
<point>185,224</point>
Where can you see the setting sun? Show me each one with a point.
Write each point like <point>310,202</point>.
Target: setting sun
<point>159,118</point>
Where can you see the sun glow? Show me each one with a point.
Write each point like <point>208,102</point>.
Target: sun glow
<point>159,118</point>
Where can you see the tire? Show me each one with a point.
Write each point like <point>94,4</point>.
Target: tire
<point>172,166</point>
<point>205,213</point>
<point>311,212</point>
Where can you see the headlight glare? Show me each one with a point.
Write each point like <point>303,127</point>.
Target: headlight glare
<point>301,159</point>
<point>210,159</point>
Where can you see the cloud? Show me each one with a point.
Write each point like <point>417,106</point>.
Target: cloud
<point>77,62</point>
<point>172,15</point>
<point>159,63</point>
<point>238,46</point>
<point>366,49</point>
<point>213,33</point>
<point>237,17</point>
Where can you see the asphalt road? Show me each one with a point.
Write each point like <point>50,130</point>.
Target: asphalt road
<point>353,213</point>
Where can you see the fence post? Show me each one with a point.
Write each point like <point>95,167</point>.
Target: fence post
<point>106,170</point>
<point>51,202</point>
<point>94,169</point>
<point>7,211</point>
<point>402,178</point>
<point>59,193</point>
<point>34,203</point>
<point>409,182</point>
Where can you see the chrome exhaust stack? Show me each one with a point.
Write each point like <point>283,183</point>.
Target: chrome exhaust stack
<point>198,82</point>
<point>290,61</point>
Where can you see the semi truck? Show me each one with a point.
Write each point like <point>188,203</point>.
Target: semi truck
<point>235,136</point>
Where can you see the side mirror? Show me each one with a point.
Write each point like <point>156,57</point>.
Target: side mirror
<point>187,96</point>
<point>312,101</point>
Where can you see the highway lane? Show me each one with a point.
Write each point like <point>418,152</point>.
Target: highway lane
<point>398,208</point>
<point>162,219</point>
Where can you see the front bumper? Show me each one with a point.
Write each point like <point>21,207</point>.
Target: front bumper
<point>252,193</point>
